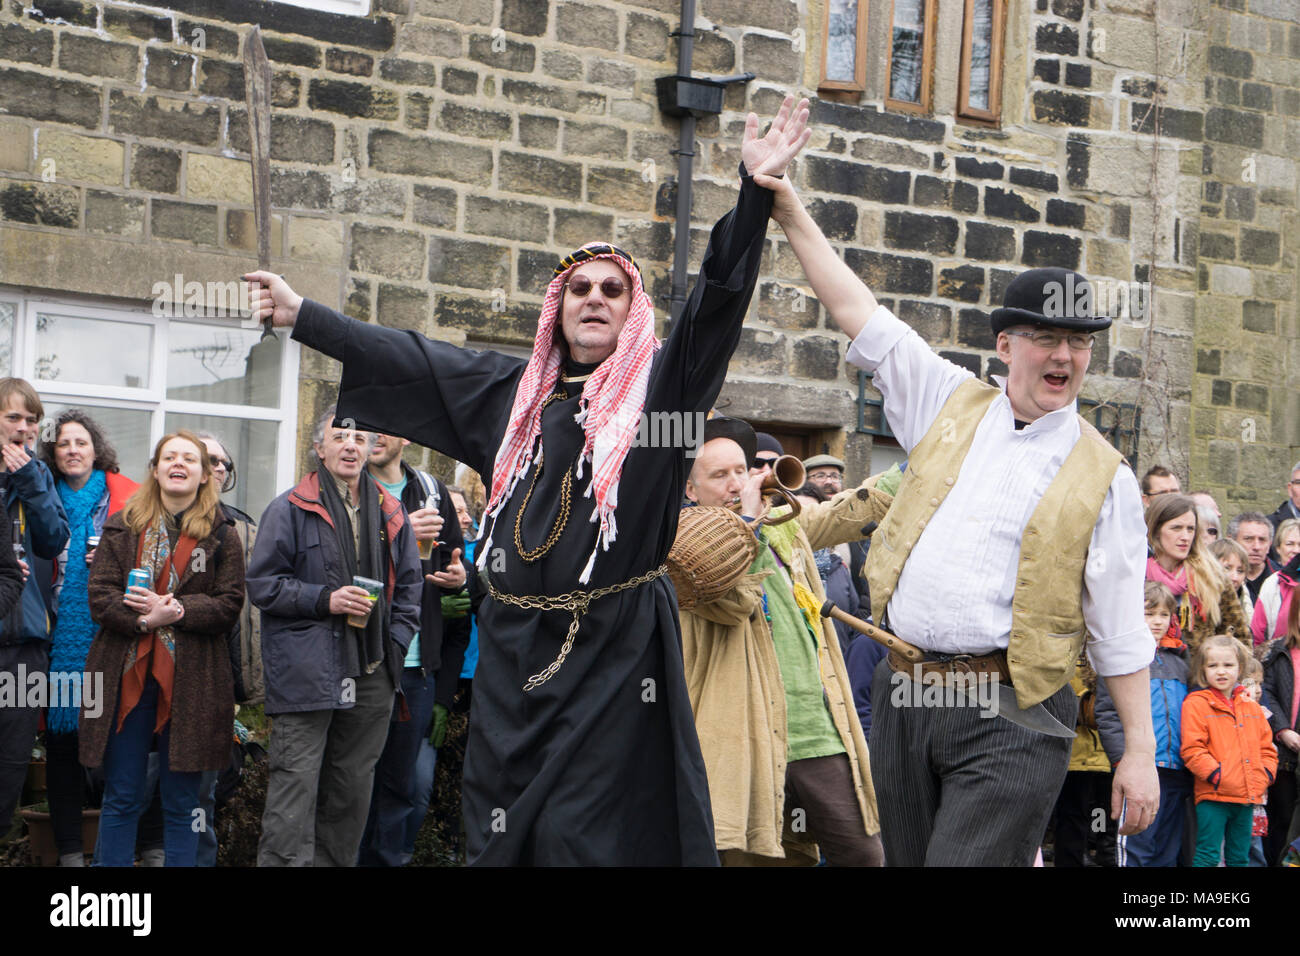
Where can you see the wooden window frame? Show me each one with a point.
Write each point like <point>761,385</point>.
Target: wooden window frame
<point>965,112</point>
<point>929,20</point>
<point>859,84</point>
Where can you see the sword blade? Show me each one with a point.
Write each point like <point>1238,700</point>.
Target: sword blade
<point>1035,718</point>
<point>257,92</point>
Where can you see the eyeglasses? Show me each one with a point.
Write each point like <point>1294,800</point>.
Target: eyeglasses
<point>1079,341</point>
<point>223,463</point>
<point>611,287</point>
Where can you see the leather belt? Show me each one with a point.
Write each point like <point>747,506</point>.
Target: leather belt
<point>994,663</point>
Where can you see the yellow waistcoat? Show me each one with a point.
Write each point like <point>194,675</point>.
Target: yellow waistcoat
<point>1047,629</point>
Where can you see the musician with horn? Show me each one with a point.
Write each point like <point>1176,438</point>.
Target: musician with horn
<point>785,754</point>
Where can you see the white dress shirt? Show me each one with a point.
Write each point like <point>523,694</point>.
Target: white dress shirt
<point>954,594</point>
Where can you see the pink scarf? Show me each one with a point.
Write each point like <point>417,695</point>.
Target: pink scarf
<point>1177,584</point>
<point>610,408</point>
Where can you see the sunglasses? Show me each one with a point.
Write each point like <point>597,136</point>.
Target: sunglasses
<point>611,287</point>
<point>225,463</point>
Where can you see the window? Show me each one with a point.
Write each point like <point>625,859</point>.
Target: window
<point>844,63</point>
<point>358,8</point>
<point>979,93</point>
<point>141,376</point>
<point>911,55</point>
<point>871,411</point>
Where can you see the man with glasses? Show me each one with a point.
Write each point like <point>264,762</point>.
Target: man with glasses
<point>583,748</point>
<point>1015,537</point>
<point>826,472</point>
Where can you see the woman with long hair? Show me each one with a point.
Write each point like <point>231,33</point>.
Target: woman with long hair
<point>92,489</point>
<point>1180,561</point>
<point>1281,670</point>
<point>162,649</point>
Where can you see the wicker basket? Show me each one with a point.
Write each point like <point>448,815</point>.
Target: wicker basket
<point>714,547</point>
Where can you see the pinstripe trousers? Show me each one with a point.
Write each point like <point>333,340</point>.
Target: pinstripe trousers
<point>957,789</point>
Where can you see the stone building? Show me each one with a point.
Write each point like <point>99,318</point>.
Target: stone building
<point>430,159</point>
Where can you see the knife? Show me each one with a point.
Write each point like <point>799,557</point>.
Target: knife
<point>257,91</point>
<point>1035,718</point>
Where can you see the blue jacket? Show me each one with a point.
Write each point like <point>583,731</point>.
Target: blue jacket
<point>31,501</point>
<point>1169,676</point>
<point>296,564</point>
<point>861,660</point>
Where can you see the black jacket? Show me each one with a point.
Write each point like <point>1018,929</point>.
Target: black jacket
<point>1283,512</point>
<point>1279,685</point>
<point>11,575</point>
<point>436,644</point>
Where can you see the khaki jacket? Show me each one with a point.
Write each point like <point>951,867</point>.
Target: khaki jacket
<point>738,697</point>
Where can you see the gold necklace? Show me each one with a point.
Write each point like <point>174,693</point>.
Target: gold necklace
<point>566,487</point>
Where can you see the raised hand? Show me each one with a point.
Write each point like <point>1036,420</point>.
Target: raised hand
<point>771,154</point>
<point>270,295</point>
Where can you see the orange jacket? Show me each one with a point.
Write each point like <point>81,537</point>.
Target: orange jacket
<point>1228,747</point>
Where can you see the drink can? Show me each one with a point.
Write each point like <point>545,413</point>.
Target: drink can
<point>92,542</point>
<point>139,578</point>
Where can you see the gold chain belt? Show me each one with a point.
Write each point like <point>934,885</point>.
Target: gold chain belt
<point>575,602</point>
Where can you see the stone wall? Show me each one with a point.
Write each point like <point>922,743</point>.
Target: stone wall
<point>430,162</point>
<point>1245,424</point>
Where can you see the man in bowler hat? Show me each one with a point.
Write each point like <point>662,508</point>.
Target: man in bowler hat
<point>1015,539</point>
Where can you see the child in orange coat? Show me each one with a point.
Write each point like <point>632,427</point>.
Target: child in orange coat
<point>1229,749</point>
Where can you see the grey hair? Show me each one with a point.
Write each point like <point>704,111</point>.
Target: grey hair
<point>1207,518</point>
<point>323,421</point>
<point>327,419</point>
<point>1247,517</point>
<point>1295,468</point>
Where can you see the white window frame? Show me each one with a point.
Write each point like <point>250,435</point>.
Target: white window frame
<point>355,8</point>
<point>153,399</point>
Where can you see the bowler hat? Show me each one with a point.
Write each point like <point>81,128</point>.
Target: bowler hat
<point>1059,298</point>
<point>738,431</point>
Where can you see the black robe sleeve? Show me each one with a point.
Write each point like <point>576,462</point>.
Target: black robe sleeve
<point>453,400</point>
<point>701,342</point>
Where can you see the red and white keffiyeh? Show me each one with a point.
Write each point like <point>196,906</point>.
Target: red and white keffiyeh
<point>610,407</point>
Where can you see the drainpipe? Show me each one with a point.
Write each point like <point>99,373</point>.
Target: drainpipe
<point>688,97</point>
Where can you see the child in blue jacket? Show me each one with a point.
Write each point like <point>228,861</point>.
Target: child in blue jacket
<point>1158,844</point>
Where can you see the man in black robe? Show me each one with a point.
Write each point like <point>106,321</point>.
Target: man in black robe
<point>582,744</point>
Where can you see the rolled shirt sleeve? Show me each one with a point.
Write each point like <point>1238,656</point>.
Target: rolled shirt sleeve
<point>1119,641</point>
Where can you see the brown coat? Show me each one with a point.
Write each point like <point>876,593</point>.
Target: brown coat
<point>734,683</point>
<point>1231,621</point>
<point>203,701</point>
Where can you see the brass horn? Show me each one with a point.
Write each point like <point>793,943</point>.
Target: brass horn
<point>786,477</point>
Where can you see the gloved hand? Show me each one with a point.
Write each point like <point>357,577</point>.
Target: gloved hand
<point>438,736</point>
<point>455,605</point>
